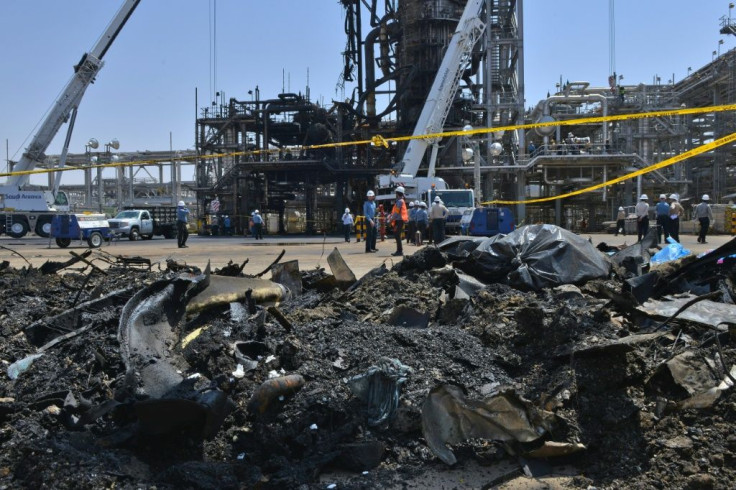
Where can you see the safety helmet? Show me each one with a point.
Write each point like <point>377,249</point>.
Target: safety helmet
<point>663,196</point>
<point>437,199</point>
<point>620,208</point>
<point>423,204</point>
<point>347,210</point>
<point>370,194</point>
<point>400,189</point>
<point>181,203</point>
<point>674,196</point>
<point>643,197</point>
<point>256,212</point>
<point>411,204</point>
<point>706,197</point>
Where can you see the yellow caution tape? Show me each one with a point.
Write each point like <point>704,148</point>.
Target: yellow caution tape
<point>384,142</point>
<point>664,163</point>
<point>379,140</point>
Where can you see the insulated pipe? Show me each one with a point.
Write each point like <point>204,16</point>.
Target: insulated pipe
<point>382,33</point>
<point>389,31</point>
<point>592,176</point>
<point>581,98</point>
<point>605,179</point>
<point>579,86</point>
<point>370,72</point>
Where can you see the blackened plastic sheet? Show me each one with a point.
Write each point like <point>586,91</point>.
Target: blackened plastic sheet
<point>535,257</point>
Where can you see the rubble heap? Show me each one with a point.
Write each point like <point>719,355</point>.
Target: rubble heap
<point>414,371</point>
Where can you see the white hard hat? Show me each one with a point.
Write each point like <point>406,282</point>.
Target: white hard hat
<point>423,204</point>
<point>620,208</point>
<point>411,204</point>
<point>400,189</point>
<point>347,210</point>
<point>706,197</point>
<point>437,199</point>
<point>256,212</point>
<point>663,196</point>
<point>674,196</point>
<point>643,197</point>
<point>181,203</point>
<point>370,194</point>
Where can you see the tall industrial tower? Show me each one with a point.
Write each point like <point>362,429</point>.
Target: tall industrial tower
<point>395,62</point>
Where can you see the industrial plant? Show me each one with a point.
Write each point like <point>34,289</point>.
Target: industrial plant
<point>255,150</point>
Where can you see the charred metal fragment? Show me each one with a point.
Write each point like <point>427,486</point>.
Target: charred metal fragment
<point>46,329</point>
<point>51,267</point>
<point>272,390</point>
<point>264,271</point>
<point>283,321</point>
<point>147,334</point>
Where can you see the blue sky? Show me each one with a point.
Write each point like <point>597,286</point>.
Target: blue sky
<point>146,90</point>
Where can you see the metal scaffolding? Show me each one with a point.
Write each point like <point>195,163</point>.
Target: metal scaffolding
<point>392,67</point>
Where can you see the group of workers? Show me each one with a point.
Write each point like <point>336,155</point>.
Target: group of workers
<point>221,225</point>
<point>413,216</point>
<point>668,215</point>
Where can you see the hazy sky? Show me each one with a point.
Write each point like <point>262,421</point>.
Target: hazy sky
<point>146,90</point>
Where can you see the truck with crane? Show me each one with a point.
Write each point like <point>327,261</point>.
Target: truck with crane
<point>23,207</point>
<point>434,113</point>
<point>457,201</point>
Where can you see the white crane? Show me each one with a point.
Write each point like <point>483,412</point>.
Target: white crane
<point>437,106</point>
<point>21,209</point>
<point>84,74</point>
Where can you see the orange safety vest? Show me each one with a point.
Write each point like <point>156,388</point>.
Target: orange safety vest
<point>400,211</point>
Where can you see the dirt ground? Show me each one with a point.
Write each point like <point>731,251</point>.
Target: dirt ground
<point>583,356</point>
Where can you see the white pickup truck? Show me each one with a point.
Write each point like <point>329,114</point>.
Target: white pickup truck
<point>145,223</point>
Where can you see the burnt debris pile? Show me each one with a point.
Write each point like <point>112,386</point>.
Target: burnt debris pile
<point>518,355</point>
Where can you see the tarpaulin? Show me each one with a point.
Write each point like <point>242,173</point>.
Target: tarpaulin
<point>534,257</point>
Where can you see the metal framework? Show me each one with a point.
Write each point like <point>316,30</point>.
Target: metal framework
<point>392,54</point>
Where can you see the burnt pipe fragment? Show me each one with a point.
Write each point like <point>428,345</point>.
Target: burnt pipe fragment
<point>164,401</point>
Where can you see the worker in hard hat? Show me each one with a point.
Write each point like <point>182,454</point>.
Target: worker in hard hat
<point>422,220</point>
<point>676,211</point>
<point>182,218</point>
<point>347,224</point>
<point>412,224</point>
<point>704,214</point>
<point>663,218</point>
<point>251,225</point>
<point>371,223</point>
<point>437,216</point>
<point>399,216</point>
<point>257,225</point>
<point>642,217</point>
<point>621,221</point>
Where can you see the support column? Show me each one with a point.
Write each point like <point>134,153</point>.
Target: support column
<point>120,172</point>
<point>100,190</point>
<point>88,187</point>
<point>309,197</point>
<point>520,194</point>
<point>131,190</point>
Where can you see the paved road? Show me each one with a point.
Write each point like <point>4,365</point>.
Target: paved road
<point>311,252</point>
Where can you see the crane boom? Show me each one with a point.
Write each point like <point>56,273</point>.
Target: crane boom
<point>439,101</point>
<point>84,73</point>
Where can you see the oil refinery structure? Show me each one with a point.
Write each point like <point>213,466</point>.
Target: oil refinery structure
<point>249,150</point>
